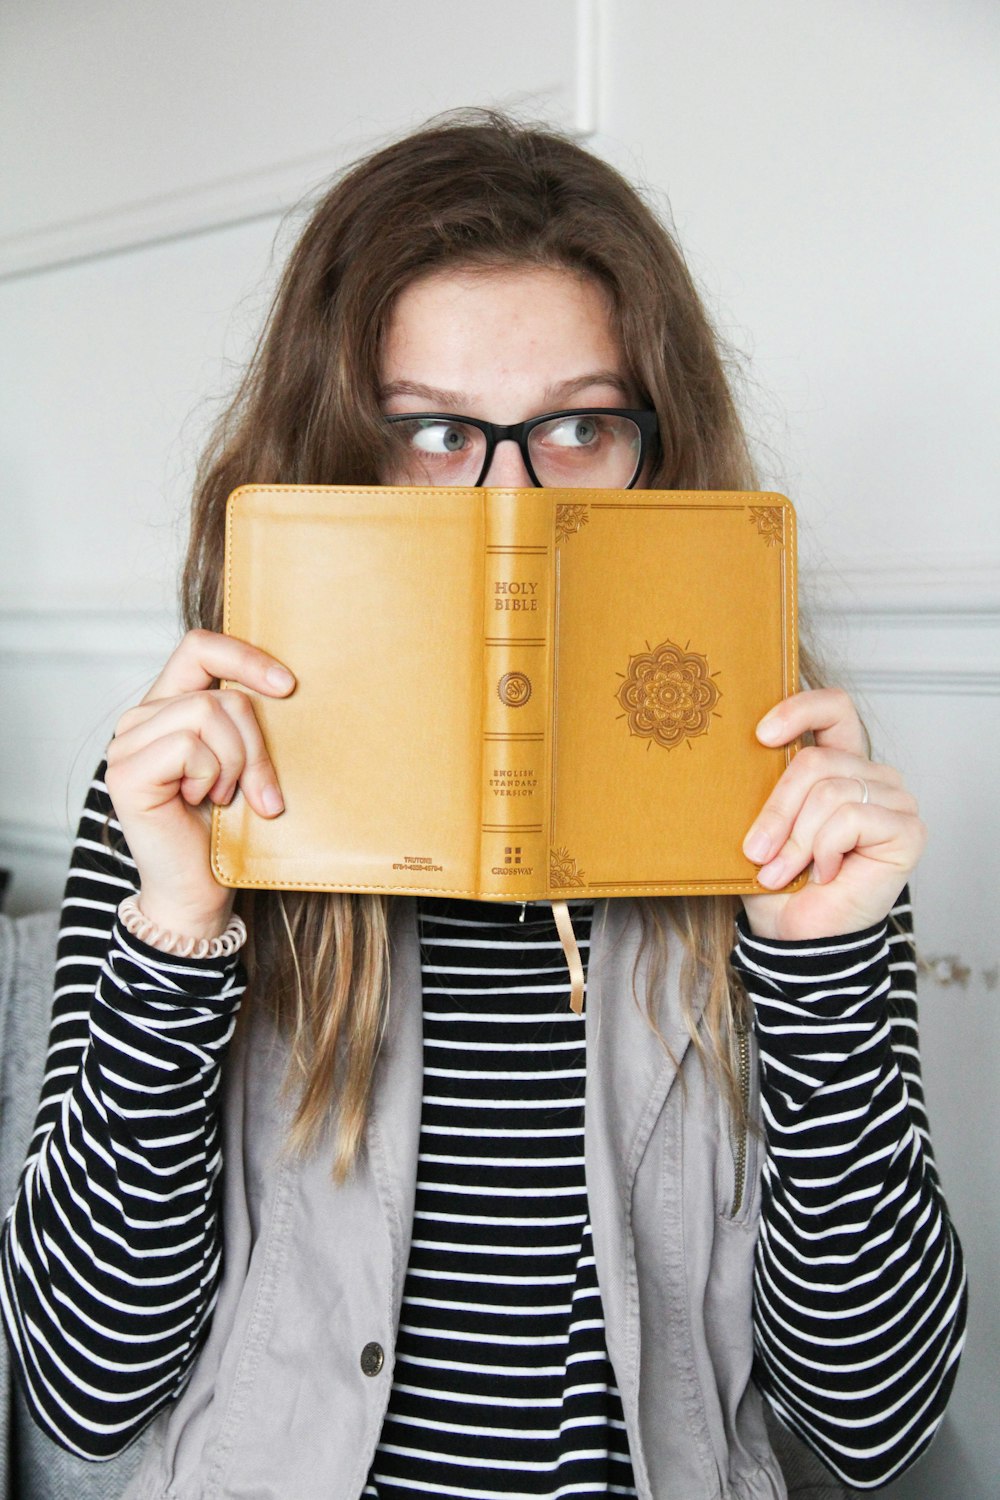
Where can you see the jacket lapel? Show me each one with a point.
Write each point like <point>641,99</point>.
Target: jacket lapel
<point>394,1127</point>
<point>629,1076</point>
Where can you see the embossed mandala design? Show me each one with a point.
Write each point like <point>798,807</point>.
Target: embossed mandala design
<point>668,695</point>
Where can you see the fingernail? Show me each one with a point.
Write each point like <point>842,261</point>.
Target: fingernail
<point>757,845</point>
<point>278,677</point>
<point>272,800</point>
<point>774,874</point>
<point>768,729</point>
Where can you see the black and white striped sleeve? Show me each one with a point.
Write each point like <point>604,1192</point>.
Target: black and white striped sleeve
<point>111,1249</point>
<point>860,1287</point>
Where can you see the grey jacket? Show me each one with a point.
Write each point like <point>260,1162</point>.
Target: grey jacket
<point>287,1399</point>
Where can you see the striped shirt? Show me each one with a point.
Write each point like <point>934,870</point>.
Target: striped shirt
<point>111,1250</point>
<point>503,1384</point>
<point>860,1292</point>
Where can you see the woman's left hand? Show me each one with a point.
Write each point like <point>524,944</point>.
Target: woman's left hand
<point>862,849</point>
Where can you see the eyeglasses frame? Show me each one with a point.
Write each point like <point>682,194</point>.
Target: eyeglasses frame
<point>519,432</point>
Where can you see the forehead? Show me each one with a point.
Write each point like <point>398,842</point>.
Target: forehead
<point>463,327</point>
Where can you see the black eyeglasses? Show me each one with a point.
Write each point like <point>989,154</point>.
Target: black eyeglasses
<point>599,447</point>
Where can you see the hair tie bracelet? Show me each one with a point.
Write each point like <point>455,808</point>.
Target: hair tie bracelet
<point>139,925</point>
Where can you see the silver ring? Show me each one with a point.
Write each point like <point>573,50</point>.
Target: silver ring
<point>865,794</point>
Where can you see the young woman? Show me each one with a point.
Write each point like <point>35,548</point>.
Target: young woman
<point>458,1282</point>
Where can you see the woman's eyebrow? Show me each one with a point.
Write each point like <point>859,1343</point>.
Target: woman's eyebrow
<point>567,389</point>
<point>442,400</point>
<point>458,401</point>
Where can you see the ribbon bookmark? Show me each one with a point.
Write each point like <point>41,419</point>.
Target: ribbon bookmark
<point>564,924</point>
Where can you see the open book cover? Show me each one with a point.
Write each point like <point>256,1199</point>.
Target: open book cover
<point>511,694</point>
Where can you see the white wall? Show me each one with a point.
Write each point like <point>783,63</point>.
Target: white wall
<point>831,169</point>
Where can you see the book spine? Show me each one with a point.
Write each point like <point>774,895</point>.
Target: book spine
<point>517,694</point>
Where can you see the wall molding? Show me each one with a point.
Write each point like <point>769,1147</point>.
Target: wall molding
<point>65,634</point>
<point>906,679</point>
<point>220,203</point>
<point>274,189</point>
<point>905,588</point>
<point>590,23</point>
<point>912,626</point>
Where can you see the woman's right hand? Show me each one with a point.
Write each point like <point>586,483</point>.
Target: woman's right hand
<point>188,745</point>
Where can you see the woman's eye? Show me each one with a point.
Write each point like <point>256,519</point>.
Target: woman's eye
<point>438,437</point>
<point>574,432</point>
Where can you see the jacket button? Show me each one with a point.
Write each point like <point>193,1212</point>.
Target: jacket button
<point>372,1358</point>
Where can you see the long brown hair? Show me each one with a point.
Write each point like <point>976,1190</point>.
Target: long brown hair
<point>472,189</point>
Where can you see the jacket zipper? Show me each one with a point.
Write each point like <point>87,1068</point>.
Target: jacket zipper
<point>740,1151</point>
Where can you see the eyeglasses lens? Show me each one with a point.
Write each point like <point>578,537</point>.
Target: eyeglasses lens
<point>429,451</point>
<point>585,451</point>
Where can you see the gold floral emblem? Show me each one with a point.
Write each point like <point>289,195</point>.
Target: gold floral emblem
<point>514,689</point>
<point>668,695</point>
<point>569,518</point>
<point>767,519</point>
<point>563,873</point>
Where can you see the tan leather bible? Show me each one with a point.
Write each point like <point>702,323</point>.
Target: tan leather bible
<point>511,694</point>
